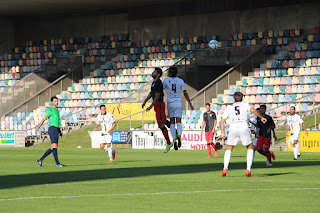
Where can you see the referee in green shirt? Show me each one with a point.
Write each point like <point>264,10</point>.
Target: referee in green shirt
<point>52,114</point>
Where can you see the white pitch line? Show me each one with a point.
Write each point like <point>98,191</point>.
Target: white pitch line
<point>138,182</point>
<point>154,193</point>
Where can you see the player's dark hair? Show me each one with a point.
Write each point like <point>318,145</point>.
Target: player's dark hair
<point>293,107</point>
<point>207,104</point>
<point>173,71</point>
<point>159,70</point>
<point>258,109</point>
<point>238,96</point>
<point>102,106</point>
<point>53,97</point>
<point>263,106</point>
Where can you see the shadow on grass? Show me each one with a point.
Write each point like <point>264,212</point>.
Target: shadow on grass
<point>21,180</point>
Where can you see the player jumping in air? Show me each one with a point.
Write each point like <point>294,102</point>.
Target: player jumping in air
<point>53,115</point>
<point>293,123</point>
<point>159,106</point>
<point>265,129</point>
<point>107,123</point>
<point>238,114</point>
<point>174,87</point>
<point>210,121</point>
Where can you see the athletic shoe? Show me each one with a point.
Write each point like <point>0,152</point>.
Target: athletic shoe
<point>175,145</point>
<point>110,161</point>
<point>298,157</point>
<point>39,162</point>
<point>295,158</point>
<point>224,173</point>
<point>60,165</point>
<point>168,147</point>
<point>179,140</point>
<point>248,173</point>
<point>268,163</point>
<point>209,156</point>
<point>114,154</point>
<point>215,153</point>
<point>272,155</point>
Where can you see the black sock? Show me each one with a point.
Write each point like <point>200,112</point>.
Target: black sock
<point>48,152</point>
<point>55,155</point>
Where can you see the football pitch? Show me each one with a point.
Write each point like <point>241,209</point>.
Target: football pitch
<point>151,181</point>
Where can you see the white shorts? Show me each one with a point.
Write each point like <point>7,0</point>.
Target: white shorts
<point>242,133</point>
<point>106,139</point>
<point>174,110</point>
<point>294,137</point>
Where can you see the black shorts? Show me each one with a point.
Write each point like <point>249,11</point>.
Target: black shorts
<point>54,133</point>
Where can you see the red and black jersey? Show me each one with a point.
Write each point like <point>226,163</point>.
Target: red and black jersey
<point>157,87</point>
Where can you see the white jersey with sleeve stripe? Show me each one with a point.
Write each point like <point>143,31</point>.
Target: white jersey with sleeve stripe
<point>294,123</point>
<point>174,87</point>
<point>106,121</point>
<point>238,114</point>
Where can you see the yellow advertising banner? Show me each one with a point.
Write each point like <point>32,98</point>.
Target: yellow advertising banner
<point>310,143</point>
<point>120,111</point>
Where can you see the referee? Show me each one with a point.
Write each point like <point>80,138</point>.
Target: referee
<point>54,131</point>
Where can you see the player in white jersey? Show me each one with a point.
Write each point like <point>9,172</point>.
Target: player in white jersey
<point>107,123</point>
<point>174,87</point>
<point>293,123</point>
<point>238,114</point>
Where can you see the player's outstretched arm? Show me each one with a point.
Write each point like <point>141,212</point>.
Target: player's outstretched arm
<point>305,129</point>
<point>186,95</point>
<point>203,123</point>
<point>146,100</point>
<point>96,128</point>
<point>155,101</point>
<point>256,113</point>
<point>41,123</point>
<point>113,126</point>
<point>214,126</point>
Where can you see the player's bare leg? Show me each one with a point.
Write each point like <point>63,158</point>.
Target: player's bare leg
<point>179,131</point>
<point>111,153</point>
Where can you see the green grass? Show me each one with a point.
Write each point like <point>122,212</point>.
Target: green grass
<point>151,181</point>
<point>82,138</point>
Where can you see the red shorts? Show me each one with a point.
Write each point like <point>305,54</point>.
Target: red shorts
<point>160,110</point>
<point>209,136</point>
<point>263,142</point>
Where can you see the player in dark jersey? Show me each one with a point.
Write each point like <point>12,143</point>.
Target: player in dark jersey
<point>265,129</point>
<point>210,121</point>
<point>159,106</point>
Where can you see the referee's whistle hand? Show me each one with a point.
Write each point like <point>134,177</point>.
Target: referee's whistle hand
<point>264,120</point>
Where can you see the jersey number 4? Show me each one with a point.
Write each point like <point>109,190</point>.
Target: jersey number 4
<point>237,110</point>
<point>174,87</point>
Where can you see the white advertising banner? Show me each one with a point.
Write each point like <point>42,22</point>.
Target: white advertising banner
<point>12,138</point>
<point>190,140</point>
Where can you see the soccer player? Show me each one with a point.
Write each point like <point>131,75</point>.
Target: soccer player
<point>265,129</point>
<point>107,123</point>
<point>293,123</point>
<point>159,106</point>
<point>210,121</point>
<point>174,87</point>
<point>238,114</point>
<point>53,115</point>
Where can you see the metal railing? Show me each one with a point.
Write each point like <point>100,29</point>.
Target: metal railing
<point>228,78</point>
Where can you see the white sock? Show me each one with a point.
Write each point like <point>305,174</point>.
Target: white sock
<point>173,131</point>
<point>110,153</point>
<point>227,157</point>
<point>179,128</point>
<point>298,148</point>
<point>250,154</point>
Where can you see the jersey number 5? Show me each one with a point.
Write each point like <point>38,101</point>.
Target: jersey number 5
<point>236,108</point>
<point>174,87</point>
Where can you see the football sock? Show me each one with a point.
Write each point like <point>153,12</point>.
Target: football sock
<point>249,158</point>
<point>268,154</point>
<point>166,136</point>
<point>167,123</point>
<point>262,152</point>
<point>48,152</point>
<point>179,128</point>
<point>110,153</point>
<point>295,151</point>
<point>55,155</point>
<point>214,146</point>
<point>209,149</point>
<point>298,148</point>
<point>227,157</point>
<point>173,131</point>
